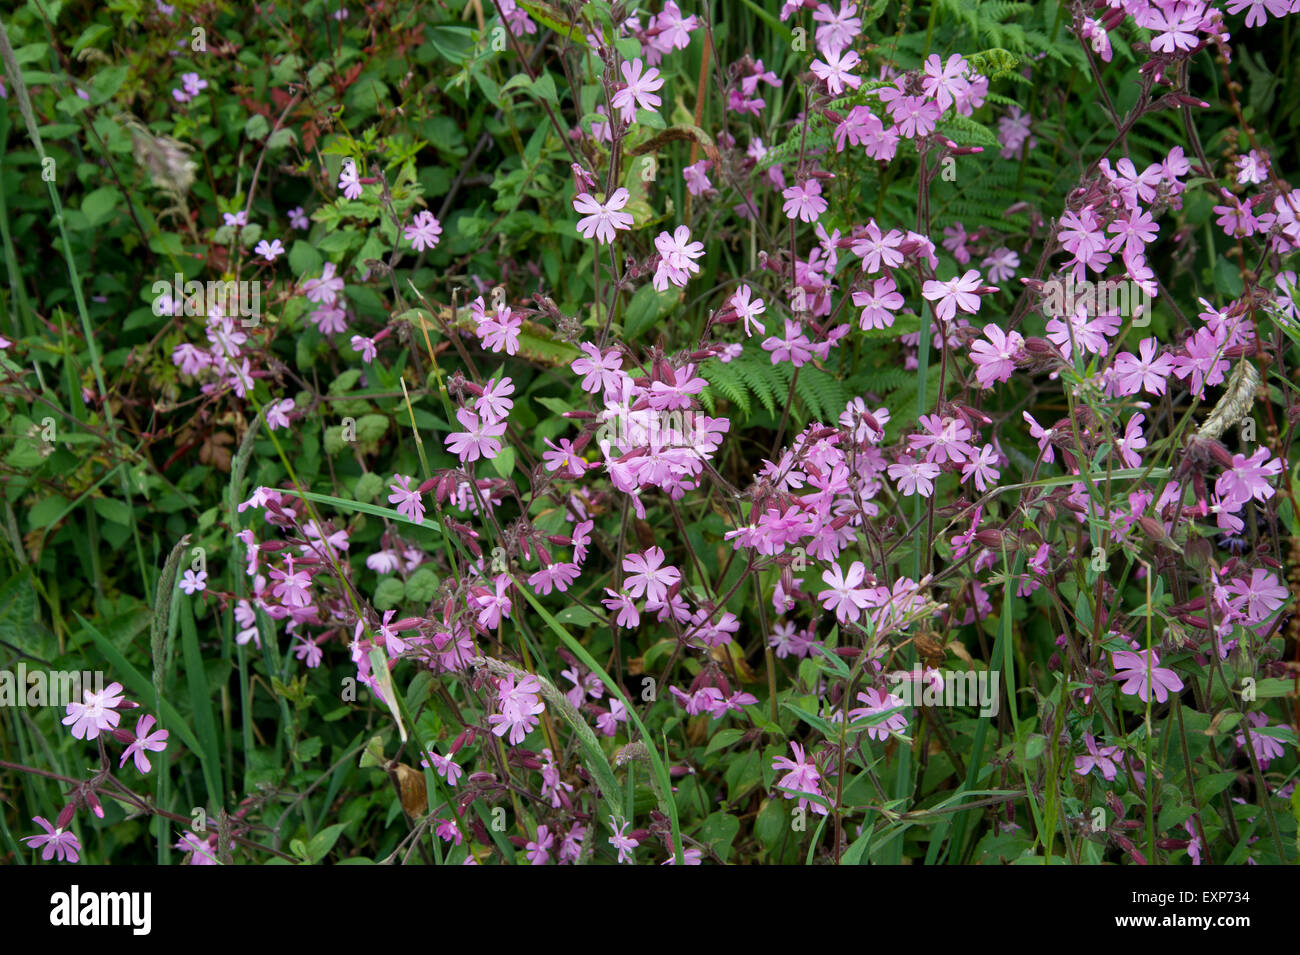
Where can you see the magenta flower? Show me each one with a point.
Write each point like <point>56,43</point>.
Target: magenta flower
<point>1249,477</point>
<point>424,232</point>
<point>1143,676</point>
<point>1145,371</point>
<point>192,582</point>
<point>96,713</point>
<point>445,766</point>
<point>479,439</point>
<point>600,370</point>
<point>647,575</point>
<point>349,182</point>
<point>879,304</point>
<point>844,595</point>
<point>600,220</point>
<point>956,293</point>
<point>1267,748</point>
<point>144,742</point>
<point>58,843</point>
<point>270,250</point>
<point>804,201</point>
<point>801,776</point>
<point>406,498</point>
<point>748,309</point>
<point>621,841</point>
<point>639,90</point>
<point>1106,759</point>
<point>875,702</point>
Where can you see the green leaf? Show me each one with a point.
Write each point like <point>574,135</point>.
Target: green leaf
<point>421,586</point>
<point>722,739</point>
<point>111,509</point>
<point>46,511</point>
<point>389,593</point>
<point>504,462</point>
<point>98,206</point>
<point>321,843</point>
<point>648,308</point>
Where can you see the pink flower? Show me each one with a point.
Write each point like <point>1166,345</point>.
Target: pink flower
<point>445,766</point>
<point>349,181</point>
<point>877,249</point>
<point>1132,669</point>
<point>501,332</point>
<point>406,498</point>
<point>292,586</point>
<point>1267,748</point>
<point>627,615</point>
<point>837,71</point>
<point>424,232</point>
<point>955,293</point>
<point>844,596</point>
<point>1143,372</point>
<point>96,713</point>
<point>601,370</point>
<point>696,176</point>
<point>479,439</point>
<point>804,201</point>
<point>647,575</point>
<point>144,741</point>
<point>553,576</point>
<point>495,402</point>
<point>494,605</point>
<point>801,776</point>
<point>639,90</point>
<point>677,255</point>
<point>270,250</point>
<point>1249,477</point>
<point>620,840</point>
<point>326,288</point>
<point>1262,594</point>
<point>794,348</point>
<point>600,220</point>
<point>914,477</point>
<point>366,346</point>
<point>520,706</point>
<point>876,702</point>
<point>748,309</point>
<point>58,843</point>
<point>192,582</point>
<point>943,82</point>
<point>1104,759</point>
<point>879,304</point>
